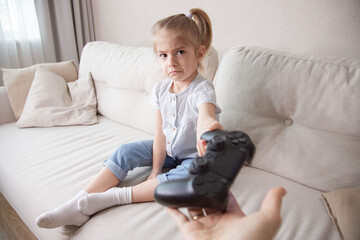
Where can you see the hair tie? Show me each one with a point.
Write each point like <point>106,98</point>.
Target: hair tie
<point>189,15</point>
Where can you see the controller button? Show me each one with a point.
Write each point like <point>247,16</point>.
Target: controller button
<point>199,180</point>
<point>218,139</point>
<point>201,190</point>
<point>243,140</point>
<point>235,141</point>
<point>216,187</point>
<point>208,156</point>
<point>210,178</point>
<point>201,162</point>
<point>232,135</point>
<point>239,134</point>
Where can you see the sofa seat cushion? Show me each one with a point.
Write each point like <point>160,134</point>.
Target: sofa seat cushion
<point>303,213</point>
<point>40,168</point>
<point>303,113</point>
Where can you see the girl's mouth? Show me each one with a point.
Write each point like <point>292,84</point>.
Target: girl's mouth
<point>173,72</point>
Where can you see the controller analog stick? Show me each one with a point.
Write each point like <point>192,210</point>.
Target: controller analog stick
<point>216,143</point>
<point>199,165</point>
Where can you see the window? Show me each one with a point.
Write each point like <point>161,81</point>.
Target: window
<point>18,20</point>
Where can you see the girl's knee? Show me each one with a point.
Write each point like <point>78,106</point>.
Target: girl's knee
<point>125,149</point>
<point>131,155</point>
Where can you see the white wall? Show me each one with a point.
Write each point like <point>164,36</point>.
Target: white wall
<point>320,27</point>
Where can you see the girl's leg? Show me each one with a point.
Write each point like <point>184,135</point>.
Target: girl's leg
<point>104,180</point>
<point>123,159</point>
<point>66,214</point>
<point>143,192</point>
<point>69,213</point>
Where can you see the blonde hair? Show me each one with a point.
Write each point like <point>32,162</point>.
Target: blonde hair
<point>194,28</point>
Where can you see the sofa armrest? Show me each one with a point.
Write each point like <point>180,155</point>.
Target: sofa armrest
<point>6,112</point>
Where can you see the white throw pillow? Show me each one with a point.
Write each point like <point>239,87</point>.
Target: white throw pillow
<point>18,81</point>
<point>54,102</point>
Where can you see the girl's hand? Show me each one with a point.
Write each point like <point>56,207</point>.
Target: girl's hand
<point>153,174</point>
<point>201,144</point>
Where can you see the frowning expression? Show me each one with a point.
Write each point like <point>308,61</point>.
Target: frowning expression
<point>179,60</point>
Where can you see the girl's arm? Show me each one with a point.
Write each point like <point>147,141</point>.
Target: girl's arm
<point>159,147</point>
<point>206,122</point>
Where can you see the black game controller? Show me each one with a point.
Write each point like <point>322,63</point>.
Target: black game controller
<point>210,176</point>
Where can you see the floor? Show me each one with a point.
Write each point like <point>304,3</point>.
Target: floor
<point>11,226</point>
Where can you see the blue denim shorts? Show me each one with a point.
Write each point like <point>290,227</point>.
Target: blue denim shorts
<point>140,154</point>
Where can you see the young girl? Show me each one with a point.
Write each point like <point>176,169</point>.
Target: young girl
<point>186,108</point>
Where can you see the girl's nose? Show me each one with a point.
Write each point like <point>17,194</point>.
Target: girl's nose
<point>172,61</point>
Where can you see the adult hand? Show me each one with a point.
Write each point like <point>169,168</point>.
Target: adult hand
<point>233,224</point>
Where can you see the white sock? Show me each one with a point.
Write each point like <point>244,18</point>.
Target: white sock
<point>95,202</point>
<point>66,214</point>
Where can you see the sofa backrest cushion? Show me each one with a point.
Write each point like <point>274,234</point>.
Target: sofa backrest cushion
<point>124,78</point>
<point>302,112</point>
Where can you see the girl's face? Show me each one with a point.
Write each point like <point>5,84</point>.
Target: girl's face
<point>179,60</point>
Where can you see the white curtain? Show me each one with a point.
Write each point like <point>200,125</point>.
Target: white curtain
<point>37,31</point>
<point>20,42</point>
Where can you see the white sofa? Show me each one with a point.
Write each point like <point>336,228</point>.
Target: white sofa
<point>302,112</point>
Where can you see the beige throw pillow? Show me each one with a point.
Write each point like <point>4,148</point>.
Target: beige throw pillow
<point>343,206</point>
<point>54,102</point>
<point>18,81</point>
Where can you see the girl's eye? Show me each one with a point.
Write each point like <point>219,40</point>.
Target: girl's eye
<point>180,52</point>
<point>162,55</point>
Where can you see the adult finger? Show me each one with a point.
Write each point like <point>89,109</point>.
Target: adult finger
<point>196,213</point>
<point>178,216</point>
<point>271,204</point>
<point>209,211</point>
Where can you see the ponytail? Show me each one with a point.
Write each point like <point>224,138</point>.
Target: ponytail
<point>203,23</point>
